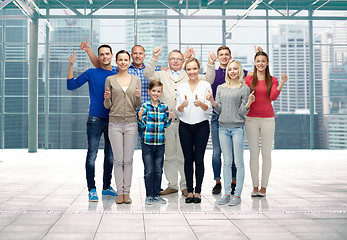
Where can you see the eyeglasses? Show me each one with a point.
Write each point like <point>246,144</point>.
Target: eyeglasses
<point>176,59</point>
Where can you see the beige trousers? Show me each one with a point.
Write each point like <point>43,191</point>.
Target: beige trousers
<point>256,129</point>
<point>123,137</point>
<point>174,161</point>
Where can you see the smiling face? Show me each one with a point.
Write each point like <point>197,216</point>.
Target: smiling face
<point>261,63</point>
<point>175,61</point>
<point>105,56</point>
<point>155,93</point>
<point>233,71</point>
<point>123,61</point>
<point>138,55</point>
<point>224,57</point>
<point>192,70</point>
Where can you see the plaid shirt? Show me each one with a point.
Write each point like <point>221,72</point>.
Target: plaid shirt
<point>144,82</point>
<point>154,121</point>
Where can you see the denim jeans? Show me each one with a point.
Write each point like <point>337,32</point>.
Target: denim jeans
<point>232,142</point>
<point>95,128</point>
<point>194,139</point>
<point>216,149</point>
<point>153,160</point>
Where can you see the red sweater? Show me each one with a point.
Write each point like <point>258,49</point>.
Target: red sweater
<point>262,106</point>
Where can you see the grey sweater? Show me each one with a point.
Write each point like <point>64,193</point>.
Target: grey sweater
<point>230,105</point>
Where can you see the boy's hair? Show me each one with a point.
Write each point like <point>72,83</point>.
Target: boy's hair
<point>105,46</point>
<point>155,83</point>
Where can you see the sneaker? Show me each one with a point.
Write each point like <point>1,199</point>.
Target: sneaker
<point>109,192</point>
<point>233,187</point>
<point>254,194</point>
<point>260,194</point>
<point>93,196</point>
<point>224,200</point>
<point>234,201</point>
<point>159,199</point>
<point>168,190</point>
<point>149,201</point>
<point>217,188</point>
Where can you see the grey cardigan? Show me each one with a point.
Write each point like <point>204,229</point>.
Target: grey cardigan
<point>230,105</point>
<point>122,104</point>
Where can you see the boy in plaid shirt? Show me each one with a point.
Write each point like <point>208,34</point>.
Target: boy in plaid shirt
<point>153,117</point>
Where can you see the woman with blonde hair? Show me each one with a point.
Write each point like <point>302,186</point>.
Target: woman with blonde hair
<point>232,103</point>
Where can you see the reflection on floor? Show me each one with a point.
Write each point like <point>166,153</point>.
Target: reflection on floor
<point>43,196</point>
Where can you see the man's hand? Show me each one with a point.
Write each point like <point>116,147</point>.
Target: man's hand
<point>211,58</point>
<point>107,94</point>
<point>157,51</point>
<point>85,45</point>
<point>72,59</point>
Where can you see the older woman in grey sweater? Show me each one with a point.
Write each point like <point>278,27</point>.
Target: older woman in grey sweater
<point>233,100</point>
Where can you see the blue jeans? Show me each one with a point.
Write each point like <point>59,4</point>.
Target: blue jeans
<point>153,160</point>
<point>97,126</point>
<point>232,142</point>
<point>216,152</point>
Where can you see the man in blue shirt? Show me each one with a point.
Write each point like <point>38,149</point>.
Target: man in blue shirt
<point>98,118</point>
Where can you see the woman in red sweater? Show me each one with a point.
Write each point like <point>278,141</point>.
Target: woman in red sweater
<point>260,121</point>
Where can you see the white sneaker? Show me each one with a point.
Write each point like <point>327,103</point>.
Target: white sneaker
<point>224,200</point>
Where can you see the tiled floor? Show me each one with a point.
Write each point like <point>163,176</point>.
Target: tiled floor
<point>43,196</point>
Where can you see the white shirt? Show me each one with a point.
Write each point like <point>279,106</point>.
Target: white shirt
<point>192,114</point>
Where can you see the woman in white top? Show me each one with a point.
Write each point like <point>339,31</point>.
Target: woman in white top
<point>193,111</point>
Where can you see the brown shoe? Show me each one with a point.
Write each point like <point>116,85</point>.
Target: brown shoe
<point>185,192</point>
<point>168,190</point>
<point>120,199</point>
<point>127,199</point>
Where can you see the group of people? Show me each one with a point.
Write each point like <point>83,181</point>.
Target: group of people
<point>169,108</point>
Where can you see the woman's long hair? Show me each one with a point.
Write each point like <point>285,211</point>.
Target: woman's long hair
<point>268,77</point>
<point>228,79</point>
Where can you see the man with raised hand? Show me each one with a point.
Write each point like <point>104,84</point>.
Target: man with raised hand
<point>136,67</point>
<point>97,123</point>
<point>224,57</point>
<point>171,79</point>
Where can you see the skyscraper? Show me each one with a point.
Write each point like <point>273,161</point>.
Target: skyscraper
<point>291,53</point>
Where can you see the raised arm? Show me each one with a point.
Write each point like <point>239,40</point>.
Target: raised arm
<point>93,58</point>
<point>149,73</point>
<point>210,72</point>
<point>72,60</point>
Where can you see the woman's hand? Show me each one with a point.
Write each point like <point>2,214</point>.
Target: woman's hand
<point>137,92</point>
<point>107,94</point>
<point>171,115</point>
<point>284,77</point>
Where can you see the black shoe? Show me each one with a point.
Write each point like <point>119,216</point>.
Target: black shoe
<point>217,188</point>
<point>233,186</point>
<point>189,199</point>
<point>197,200</point>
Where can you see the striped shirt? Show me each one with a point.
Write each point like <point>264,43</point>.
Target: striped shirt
<point>154,121</point>
<point>139,73</point>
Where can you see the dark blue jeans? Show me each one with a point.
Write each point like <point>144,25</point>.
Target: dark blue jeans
<point>95,128</point>
<point>217,151</point>
<point>153,159</point>
<point>194,139</point>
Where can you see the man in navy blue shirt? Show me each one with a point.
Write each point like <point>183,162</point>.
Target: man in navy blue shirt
<point>97,123</point>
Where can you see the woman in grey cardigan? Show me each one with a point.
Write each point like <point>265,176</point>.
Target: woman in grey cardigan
<point>232,104</point>
<point>122,97</point>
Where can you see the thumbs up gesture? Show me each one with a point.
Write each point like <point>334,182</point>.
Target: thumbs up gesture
<point>211,58</point>
<point>171,115</point>
<point>107,94</point>
<point>85,46</point>
<point>251,97</point>
<point>137,92</point>
<point>209,96</point>
<point>157,51</point>
<point>197,102</point>
<point>284,77</point>
<point>185,101</point>
<point>72,59</point>
<point>140,113</point>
